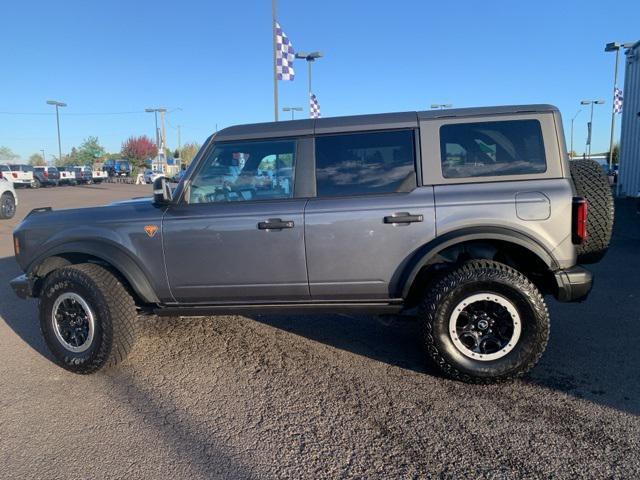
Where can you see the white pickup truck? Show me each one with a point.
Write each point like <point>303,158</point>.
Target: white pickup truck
<point>99,176</point>
<point>67,176</point>
<point>17,174</point>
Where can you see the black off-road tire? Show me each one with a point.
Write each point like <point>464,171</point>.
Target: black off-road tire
<point>592,184</point>
<point>114,312</point>
<point>7,206</point>
<point>484,276</point>
<point>36,183</point>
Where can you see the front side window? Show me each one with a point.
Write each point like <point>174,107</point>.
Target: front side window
<point>365,163</point>
<point>487,149</point>
<point>247,171</point>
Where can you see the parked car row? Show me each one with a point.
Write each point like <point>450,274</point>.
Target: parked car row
<point>44,176</point>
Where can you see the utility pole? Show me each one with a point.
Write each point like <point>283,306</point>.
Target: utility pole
<point>275,68</point>
<point>179,143</point>
<point>43,157</point>
<point>57,105</point>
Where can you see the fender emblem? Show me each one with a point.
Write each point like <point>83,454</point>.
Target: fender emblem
<point>151,230</point>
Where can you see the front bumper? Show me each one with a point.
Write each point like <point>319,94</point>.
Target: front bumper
<point>22,286</point>
<point>574,284</point>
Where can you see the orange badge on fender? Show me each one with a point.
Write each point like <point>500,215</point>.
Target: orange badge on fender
<point>151,230</point>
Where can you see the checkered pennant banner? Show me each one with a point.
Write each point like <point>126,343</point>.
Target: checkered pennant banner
<point>314,107</point>
<point>617,100</point>
<point>284,55</point>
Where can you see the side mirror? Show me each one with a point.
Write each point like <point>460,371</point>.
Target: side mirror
<point>162,193</point>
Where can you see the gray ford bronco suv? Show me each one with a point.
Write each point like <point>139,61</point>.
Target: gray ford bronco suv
<point>464,218</point>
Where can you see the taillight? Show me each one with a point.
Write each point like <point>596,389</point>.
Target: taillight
<point>46,174</point>
<point>15,175</point>
<point>579,220</point>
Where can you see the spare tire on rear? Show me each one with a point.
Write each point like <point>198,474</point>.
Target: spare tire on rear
<point>592,184</point>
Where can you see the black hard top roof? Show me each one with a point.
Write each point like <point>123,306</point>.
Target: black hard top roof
<point>376,121</point>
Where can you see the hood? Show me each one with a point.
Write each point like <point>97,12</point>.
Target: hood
<point>131,201</point>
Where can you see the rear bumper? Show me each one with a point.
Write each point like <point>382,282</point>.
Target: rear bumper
<point>574,284</point>
<point>22,286</point>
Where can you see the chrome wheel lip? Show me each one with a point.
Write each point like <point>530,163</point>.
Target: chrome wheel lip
<point>90,319</point>
<point>483,297</point>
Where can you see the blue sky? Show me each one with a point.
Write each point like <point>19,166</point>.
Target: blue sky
<point>213,60</point>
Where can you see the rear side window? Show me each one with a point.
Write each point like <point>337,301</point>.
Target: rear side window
<point>487,149</point>
<point>365,163</point>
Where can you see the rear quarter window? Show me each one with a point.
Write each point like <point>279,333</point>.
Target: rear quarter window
<point>487,149</point>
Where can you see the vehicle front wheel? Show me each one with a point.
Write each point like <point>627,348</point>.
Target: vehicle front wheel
<point>7,206</point>
<point>485,322</point>
<point>87,318</point>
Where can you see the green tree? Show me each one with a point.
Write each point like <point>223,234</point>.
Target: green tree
<point>37,160</point>
<point>176,154</point>
<point>189,151</point>
<point>616,154</point>
<point>89,151</point>
<point>6,154</point>
<point>69,159</point>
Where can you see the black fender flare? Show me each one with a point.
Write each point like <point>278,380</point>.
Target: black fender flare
<point>422,256</point>
<point>115,256</point>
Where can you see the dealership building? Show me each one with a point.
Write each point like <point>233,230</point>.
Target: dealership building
<point>630,132</point>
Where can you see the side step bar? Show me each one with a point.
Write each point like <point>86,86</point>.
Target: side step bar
<point>300,308</point>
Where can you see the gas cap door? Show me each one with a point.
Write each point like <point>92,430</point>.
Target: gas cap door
<point>532,206</point>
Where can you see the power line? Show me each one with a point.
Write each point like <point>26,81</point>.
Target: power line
<point>134,112</point>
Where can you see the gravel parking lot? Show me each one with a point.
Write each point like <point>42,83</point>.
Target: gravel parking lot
<point>329,396</point>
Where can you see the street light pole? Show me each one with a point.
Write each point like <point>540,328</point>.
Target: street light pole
<point>292,110</point>
<point>275,68</point>
<point>155,111</point>
<point>310,58</point>
<point>590,125</point>
<point>572,120</point>
<point>57,105</point>
<point>43,157</point>
<point>614,47</point>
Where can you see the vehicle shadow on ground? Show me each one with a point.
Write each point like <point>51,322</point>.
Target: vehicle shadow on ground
<point>20,315</point>
<point>592,353</point>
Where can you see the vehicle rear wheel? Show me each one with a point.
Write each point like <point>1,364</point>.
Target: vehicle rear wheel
<point>592,184</point>
<point>7,206</point>
<point>87,318</point>
<point>36,183</point>
<point>485,322</point>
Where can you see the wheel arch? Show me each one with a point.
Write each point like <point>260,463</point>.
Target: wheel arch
<point>114,258</point>
<point>447,247</point>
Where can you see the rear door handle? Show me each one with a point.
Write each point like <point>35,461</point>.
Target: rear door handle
<point>403,217</point>
<point>275,224</point>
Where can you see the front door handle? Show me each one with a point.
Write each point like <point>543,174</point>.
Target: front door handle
<point>275,224</point>
<point>403,217</point>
